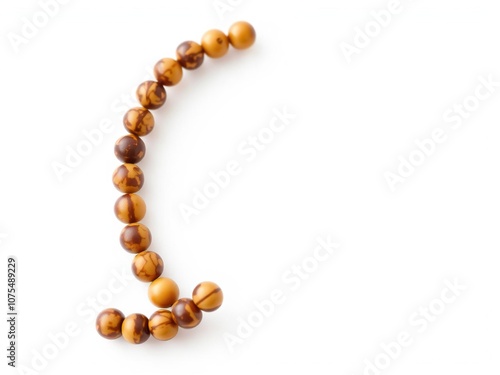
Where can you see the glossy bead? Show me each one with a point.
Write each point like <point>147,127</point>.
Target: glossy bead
<point>208,296</point>
<point>135,328</point>
<point>186,313</point>
<point>130,208</point>
<point>139,121</point>
<point>147,266</point>
<point>109,323</point>
<point>128,178</point>
<point>130,149</point>
<point>162,325</point>
<point>151,94</point>
<point>190,55</point>
<point>163,292</point>
<point>241,35</point>
<point>215,43</point>
<point>135,238</point>
<point>168,72</point>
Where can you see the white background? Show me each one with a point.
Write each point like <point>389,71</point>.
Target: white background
<point>322,176</point>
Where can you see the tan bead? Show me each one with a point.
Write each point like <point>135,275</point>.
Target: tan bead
<point>135,238</point>
<point>241,35</point>
<point>147,266</point>
<point>135,328</point>
<point>139,121</point>
<point>168,72</point>
<point>128,178</point>
<point>208,296</point>
<point>151,95</point>
<point>163,292</point>
<point>215,43</point>
<point>130,208</point>
<point>109,323</point>
<point>162,325</point>
<point>190,55</point>
<point>186,313</point>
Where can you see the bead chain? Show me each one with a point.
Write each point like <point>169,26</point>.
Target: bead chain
<point>130,208</point>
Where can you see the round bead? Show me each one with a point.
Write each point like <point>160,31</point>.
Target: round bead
<point>139,121</point>
<point>130,208</point>
<point>109,323</point>
<point>241,35</point>
<point>135,238</point>
<point>128,178</point>
<point>215,43</point>
<point>162,325</point>
<point>151,94</point>
<point>163,292</point>
<point>208,296</point>
<point>190,55</point>
<point>135,328</point>
<point>147,266</point>
<point>130,149</point>
<point>168,72</point>
<point>186,313</point>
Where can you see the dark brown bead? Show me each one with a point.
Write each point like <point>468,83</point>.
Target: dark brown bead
<point>139,121</point>
<point>130,149</point>
<point>128,178</point>
<point>190,55</point>
<point>135,238</point>
<point>186,313</point>
<point>168,72</point>
<point>135,328</point>
<point>109,323</point>
<point>147,266</point>
<point>151,95</point>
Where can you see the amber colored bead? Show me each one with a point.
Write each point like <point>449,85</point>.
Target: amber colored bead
<point>109,323</point>
<point>163,292</point>
<point>135,238</point>
<point>147,266</point>
<point>215,43</point>
<point>130,149</point>
<point>130,208</point>
<point>135,328</point>
<point>208,296</point>
<point>186,313</point>
<point>151,94</point>
<point>139,121</point>
<point>190,55</point>
<point>128,178</point>
<point>162,325</point>
<point>241,35</point>
<point>168,72</point>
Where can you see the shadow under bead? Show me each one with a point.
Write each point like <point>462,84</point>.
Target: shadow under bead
<point>190,55</point>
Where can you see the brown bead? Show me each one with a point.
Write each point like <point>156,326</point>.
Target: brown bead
<point>163,292</point>
<point>162,325</point>
<point>135,238</point>
<point>241,35</point>
<point>130,208</point>
<point>130,149</point>
<point>147,266</point>
<point>186,313</point>
<point>190,55</point>
<point>168,72</point>
<point>151,94</point>
<point>135,328</point>
<point>208,296</point>
<point>215,43</point>
<point>139,121</point>
<point>128,178</point>
<point>109,323</point>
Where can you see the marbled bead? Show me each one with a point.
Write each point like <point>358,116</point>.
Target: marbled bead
<point>162,325</point>
<point>163,292</point>
<point>151,94</point>
<point>241,35</point>
<point>208,296</point>
<point>135,238</point>
<point>135,328</point>
<point>186,313</point>
<point>130,149</point>
<point>190,55</point>
<point>168,72</point>
<point>130,208</point>
<point>215,43</point>
<point>128,178</point>
<point>139,121</point>
<point>147,266</point>
<point>109,323</point>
